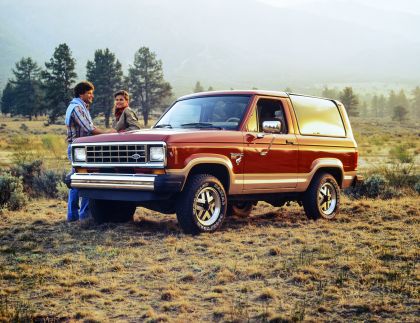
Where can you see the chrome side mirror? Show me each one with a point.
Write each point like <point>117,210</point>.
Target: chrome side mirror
<point>272,126</point>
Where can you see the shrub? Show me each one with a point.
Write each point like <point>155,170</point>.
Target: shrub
<point>399,175</point>
<point>402,153</point>
<point>12,196</point>
<point>22,149</point>
<point>62,191</point>
<point>45,185</point>
<point>28,170</point>
<point>24,127</point>
<point>374,186</point>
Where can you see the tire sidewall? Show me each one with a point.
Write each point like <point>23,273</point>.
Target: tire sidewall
<point>327,178</point>
<point>213,183</point>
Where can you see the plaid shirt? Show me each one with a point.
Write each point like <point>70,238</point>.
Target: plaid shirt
<point>80,123</point>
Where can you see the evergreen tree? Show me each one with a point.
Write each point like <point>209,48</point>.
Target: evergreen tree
<point>8,99</point>
<point>198,87</point>
<point>106,74</point>
<point>381,106</point>
<point>391,103</point>
<point>397,100</point>
<point>59,78</point>
<point>402,99</point>
<point>374,108</point>
<point>146,82</point>
<point>27,88</point>
<point>363,109</point>
<point>399,113</point>
<point>415,102</point>
<point>210,88</point>
<point>350,101</point>
<point>330,93</point>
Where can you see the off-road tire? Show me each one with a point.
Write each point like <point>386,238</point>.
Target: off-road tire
<point>322,199</point>
<point>201,207</point>
<point>111,211</point>
<point>240,208</point>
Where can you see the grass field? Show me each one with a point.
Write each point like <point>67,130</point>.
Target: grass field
<point>273,266</point>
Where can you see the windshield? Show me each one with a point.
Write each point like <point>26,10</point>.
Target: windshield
<point>212,112</point>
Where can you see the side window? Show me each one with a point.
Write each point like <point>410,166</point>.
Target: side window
<point>271,110</point>
<point>317,116</point>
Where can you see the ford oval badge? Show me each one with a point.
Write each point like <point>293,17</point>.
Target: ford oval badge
<point>135,156</point>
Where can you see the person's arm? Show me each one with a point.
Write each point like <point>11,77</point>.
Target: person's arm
<point>80,117</point>
<point>132,121</point>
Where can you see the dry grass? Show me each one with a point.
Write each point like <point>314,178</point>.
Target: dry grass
<point>275,265</point>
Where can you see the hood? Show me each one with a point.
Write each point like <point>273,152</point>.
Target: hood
<point>167,135</point>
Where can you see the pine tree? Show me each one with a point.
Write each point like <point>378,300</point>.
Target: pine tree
<point>415,102</point>
<point>391,103</point>
<point>146,82</point>
<point>374,106</point>
<point>399,113</point>
<point>330,93</point>
<point>381,106</point>
<point>402,99</point>
<point>59,78</point>
<point>350,101</point>
<point>8,99</point>
<point>198,87</point>
<point>106,74</point>
<point>27,88</point>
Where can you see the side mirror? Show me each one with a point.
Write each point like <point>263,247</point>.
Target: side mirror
<point>272,126</point>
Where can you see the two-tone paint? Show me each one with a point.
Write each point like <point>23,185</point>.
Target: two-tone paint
<point>255,163</point>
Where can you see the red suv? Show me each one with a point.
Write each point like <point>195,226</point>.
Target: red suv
<point>217,153</point>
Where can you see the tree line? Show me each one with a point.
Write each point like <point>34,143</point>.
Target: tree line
<point>396,105</point>
<point>35,91</point>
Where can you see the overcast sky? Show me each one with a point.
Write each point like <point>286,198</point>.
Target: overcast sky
<point>226,43</point>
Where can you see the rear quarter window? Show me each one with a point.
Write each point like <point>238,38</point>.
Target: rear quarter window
<point>317,116</point>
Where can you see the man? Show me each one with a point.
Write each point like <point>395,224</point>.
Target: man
<point>79,124</point>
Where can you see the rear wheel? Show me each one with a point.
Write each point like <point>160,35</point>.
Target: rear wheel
<point>111,211</point>
<point>202,205</point>
<point>240,208</point>
<point>322,199</point>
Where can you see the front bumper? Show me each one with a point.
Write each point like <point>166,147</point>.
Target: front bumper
<point>137,182</point>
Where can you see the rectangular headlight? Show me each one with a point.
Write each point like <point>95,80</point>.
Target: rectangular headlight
<point>79,154</point>
<point>156,154</point>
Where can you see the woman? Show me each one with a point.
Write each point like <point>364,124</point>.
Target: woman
<point>125,118</point>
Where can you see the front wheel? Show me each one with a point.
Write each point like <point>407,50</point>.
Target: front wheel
<point>322,199</point>
<point>202,205</point>
<point>111,211</point>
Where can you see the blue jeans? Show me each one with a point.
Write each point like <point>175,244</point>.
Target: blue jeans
<point>74,211</point>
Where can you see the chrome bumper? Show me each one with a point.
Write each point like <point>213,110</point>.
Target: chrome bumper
<point>116,181</point>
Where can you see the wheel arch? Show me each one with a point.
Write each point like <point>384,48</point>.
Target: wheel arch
<point>328,165</point>
<point>218,170</point>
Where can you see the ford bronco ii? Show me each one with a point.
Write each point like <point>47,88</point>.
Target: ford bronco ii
<point>217,153</point>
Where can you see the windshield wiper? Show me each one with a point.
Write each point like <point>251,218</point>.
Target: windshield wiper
<point>163,125</point>
<point>200,125</point>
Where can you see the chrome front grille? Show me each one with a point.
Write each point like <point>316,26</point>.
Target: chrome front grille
<point>112,154</point>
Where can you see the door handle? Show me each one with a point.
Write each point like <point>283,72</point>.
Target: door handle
<point>289,142</point>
